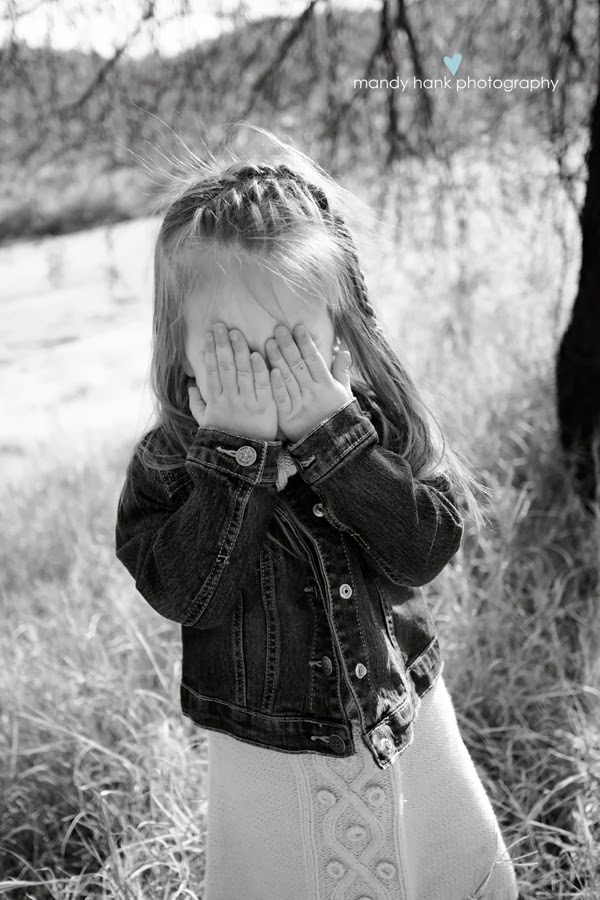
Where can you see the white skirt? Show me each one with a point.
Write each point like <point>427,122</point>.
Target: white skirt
<point>303,826</point>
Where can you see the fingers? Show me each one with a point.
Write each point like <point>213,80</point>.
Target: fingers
<point>243,363</point>
<point>278,361</point>
<point>225,359</point>
<point>292,355</point>
<point>197,404</point>
<point>232,368</point>
<point>298,359</point>
<point>213,379</point>
<point>280,394</point>
<point>315,363</point>
<point>262,380</point>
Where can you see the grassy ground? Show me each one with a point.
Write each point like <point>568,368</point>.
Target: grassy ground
<point>103,783</point>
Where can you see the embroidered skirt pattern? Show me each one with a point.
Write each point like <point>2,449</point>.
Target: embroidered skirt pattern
<point>289,826</point>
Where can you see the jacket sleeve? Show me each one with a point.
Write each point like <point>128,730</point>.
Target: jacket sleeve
<point>190,549</point>
<point>409,528</point>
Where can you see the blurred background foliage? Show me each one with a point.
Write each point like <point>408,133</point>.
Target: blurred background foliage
<point>73,122</point>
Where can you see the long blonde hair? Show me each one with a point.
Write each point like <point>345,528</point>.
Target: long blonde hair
<point>288,214</point>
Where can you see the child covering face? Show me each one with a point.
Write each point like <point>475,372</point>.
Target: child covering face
<point>230,293</point>
<point>336,764</point>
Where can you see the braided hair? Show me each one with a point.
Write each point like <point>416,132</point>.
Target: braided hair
<point>356,274</point>
<point>215,203</point>
<point>274,175</point>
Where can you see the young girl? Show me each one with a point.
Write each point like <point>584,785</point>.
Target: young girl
<point>287,516</point>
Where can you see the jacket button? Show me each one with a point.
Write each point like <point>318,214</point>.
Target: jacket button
<point>345,591</point>
<point>360,670</point>
<point>336,743</point>
<point>245,456</point>
<point>327,665</point>
<point>318,509</point>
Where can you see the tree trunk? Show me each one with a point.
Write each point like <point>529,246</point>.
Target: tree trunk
<point>578,361</point>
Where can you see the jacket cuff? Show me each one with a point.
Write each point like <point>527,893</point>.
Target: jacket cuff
<point>337,438</point>
<point>249,459</point>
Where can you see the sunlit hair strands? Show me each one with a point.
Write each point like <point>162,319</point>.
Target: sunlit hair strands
<point>282,210</point>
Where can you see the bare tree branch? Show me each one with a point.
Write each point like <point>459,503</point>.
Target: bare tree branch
<point>104,70</point>
<point>281,54</point>
<point>403,24</point>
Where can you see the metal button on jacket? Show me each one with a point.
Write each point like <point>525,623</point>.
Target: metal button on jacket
<point>327,665</point>
<point>383,739</point>
<point>345,591</point>
<point>245,456</point>
<point>318,509</point>
<point>360,670</point>
<point>336,743</point>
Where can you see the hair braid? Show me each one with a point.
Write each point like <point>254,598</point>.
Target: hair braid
<point>358,280</point>
<point>356,273</point>
<point>254,173</point>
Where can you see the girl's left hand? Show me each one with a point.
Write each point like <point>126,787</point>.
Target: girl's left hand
<point>305,391</point>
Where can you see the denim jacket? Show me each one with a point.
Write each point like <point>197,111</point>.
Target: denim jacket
<point>274,646</point>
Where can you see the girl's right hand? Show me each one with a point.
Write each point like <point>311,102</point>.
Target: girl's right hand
<point>240,397</point>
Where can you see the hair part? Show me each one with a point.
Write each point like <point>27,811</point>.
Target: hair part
<point>287,214</point>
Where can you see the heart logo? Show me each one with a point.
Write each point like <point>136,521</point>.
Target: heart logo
<point>453,62</point>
